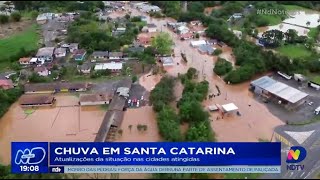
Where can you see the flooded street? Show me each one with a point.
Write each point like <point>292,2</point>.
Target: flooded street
<point>143,116</point>
<point>255,121</point>
<point>63,122</point>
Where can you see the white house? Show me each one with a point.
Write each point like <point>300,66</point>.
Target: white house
<point>152,28</point>
<point>42,71</point>
<point>113,66</point>
<point>24,61</point>
<point>46,54</point>
<point>95,99</point>
<point>182,30</point>
<point>34,60</point>
<point>60,52</point>
<point>115,55</point>
<point>198,43</point>
<point>167,61</point>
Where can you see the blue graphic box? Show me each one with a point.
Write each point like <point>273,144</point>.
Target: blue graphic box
<point>29,157</point>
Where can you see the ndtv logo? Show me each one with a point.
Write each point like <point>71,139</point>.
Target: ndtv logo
<point>296,154</point>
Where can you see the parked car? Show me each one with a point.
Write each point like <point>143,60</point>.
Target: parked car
<point>141,97</point>
<point>138,103</point>
<point>129,101</point>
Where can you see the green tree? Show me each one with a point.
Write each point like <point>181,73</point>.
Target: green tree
<point>168,124</point>
<point>134,78</point>
<point>273,38</point>
<point>191,73</point>
<point>291,35</point>
<point>200,132</point>
<point>162,43</point>
<point>217,52</point>
<point>222,67</point>
<point>15,16</point>
<point>4,19</point>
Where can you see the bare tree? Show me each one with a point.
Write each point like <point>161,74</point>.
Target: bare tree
<point>130,127</point>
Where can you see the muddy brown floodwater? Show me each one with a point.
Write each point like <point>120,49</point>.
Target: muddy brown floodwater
<point>255,121</point>
<point>63,122</point>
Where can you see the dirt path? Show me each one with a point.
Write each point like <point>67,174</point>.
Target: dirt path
<point>11,28</point>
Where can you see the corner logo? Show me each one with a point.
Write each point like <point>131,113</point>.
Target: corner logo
<point>34,156</point>
<point>296,154</point>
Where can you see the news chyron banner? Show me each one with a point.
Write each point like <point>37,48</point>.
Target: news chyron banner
<point>137,157</point>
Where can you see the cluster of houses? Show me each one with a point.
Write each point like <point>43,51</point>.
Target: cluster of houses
<point>187,30</point>
<point>60,17</point>
<point>145,7</point>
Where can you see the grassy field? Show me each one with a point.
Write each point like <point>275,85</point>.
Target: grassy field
<point>315,78</point>
<point>294,8</point>
<point>313,33</point>
<point>10,46</point>
<point>272,19</point>
<point>294,51</point>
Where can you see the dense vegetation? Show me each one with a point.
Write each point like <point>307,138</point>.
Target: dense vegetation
<point>58,6</point>
<point>191,110</point>
<point>168,121</point>
<point>222,67</point>
<point>7,97</point>
<point>162,43</point>
<point>87,32</point>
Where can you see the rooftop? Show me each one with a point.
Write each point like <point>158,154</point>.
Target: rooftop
<point>6,82</point>
<point>95,97</point>
<point>25,59</point>
<point>115,54</point>
<point>229,107</point>
<point>279,89</point>
<point>151,25</point>
<point>36,99</point>
<point>54,86</point>
<point>46,51</point>
<point>111,66</point>
<point>167,60</point>
<point>100,53</point>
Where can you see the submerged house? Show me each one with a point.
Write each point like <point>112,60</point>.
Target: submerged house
<point>279,92</point>
<point>95,99</point>
<point>49,88</point>
<point>36,100</point>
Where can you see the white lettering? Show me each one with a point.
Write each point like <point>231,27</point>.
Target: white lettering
<point>56,151</point>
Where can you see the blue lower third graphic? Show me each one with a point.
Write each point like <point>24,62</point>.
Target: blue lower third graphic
<point>37,157</point>
<point>29,157</point>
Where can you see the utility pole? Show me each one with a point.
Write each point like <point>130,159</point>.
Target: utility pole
<point>184,5</point>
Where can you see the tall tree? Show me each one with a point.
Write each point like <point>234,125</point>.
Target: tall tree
<point>163,43</point>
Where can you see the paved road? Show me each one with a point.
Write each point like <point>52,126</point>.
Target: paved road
<point>50,31</point>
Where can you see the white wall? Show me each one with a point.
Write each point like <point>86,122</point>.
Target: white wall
<point>93,103</point>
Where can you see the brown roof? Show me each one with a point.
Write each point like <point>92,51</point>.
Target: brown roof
<point>95,97</point>
<point>115,54</point>
<point>36,99</point>
<point>24,59</point>
<point>6,82</point>
<point>111,118</point>
<point>54,86</point>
